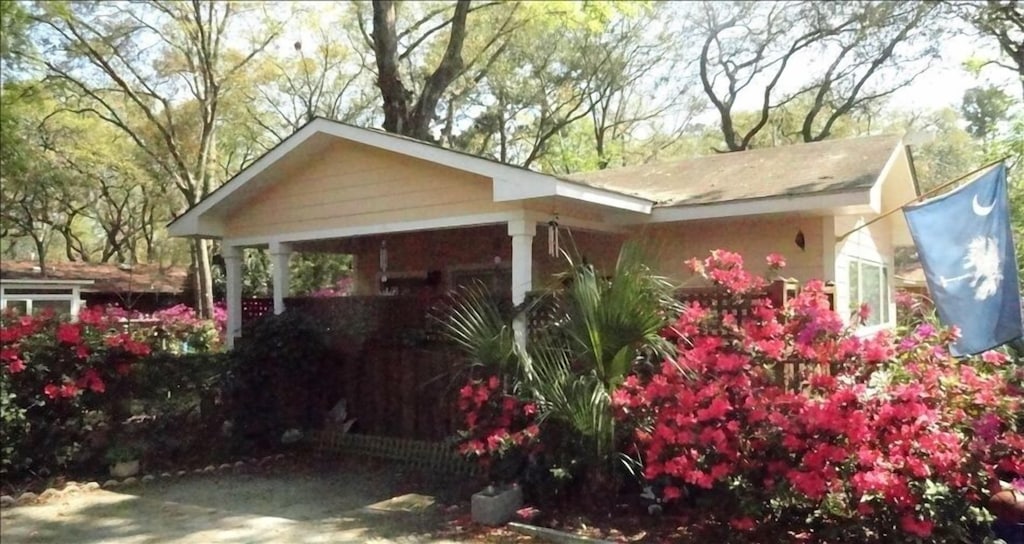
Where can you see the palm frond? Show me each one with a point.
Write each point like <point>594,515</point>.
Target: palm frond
<point>475,321</point>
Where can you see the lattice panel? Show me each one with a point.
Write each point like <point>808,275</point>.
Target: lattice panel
<point>433,456</point>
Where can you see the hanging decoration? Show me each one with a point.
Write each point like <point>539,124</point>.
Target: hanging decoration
<point>384,261</point>
<point>553,246</point>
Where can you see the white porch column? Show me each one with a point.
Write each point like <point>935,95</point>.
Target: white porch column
<point>280,254</point>
<point>233,270</point>
<point>522,232</point>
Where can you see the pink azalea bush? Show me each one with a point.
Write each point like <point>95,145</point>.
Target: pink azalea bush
<point>494,423</point>
<point>182,324</point>
<point>60,379</point>
<point>57,375</point>
<point>787,421</point>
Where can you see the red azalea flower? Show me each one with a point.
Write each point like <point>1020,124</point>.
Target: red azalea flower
<point>15,366</point>
<point>68,390</point>
<point>10,335</point>
<point>68,333</point>
<point>918,527</point>
<point>743,524</point>
<point>51,391</point>
<point>82,351</point>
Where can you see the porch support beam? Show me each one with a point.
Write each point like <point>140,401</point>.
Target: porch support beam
<point>522,232</point>
<point>233,270</point>
<point>280,254</point>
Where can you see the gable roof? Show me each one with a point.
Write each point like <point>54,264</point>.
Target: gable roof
<point>106,278</point>
<point>510,182</point>
<point>833,174</point>
<point>828,167</point>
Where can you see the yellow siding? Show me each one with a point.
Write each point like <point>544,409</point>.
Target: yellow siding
<point>753,238</point>
<point>355,185</point>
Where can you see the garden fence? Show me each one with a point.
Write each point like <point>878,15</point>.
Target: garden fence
<point>398,377</point>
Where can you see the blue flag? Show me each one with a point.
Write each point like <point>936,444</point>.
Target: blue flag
<point>965,244</point>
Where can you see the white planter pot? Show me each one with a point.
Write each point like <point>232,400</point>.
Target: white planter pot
<point>496,506</point>
<point>125,469</point>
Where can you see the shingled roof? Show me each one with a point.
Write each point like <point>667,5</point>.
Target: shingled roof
<point>107,278</point>
<point>833,166</point>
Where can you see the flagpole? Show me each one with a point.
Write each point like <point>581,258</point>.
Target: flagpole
<point>924,195</point>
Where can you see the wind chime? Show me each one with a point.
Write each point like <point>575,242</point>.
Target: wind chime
<point>553,246</point>
<point>383,262</point>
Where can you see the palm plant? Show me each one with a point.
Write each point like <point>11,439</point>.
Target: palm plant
<point>604,327</point>
<point>599,329</point>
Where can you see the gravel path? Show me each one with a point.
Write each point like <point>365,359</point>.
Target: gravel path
<point>338,504</point>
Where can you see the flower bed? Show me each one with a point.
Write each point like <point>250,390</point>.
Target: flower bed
<point>884,437</point>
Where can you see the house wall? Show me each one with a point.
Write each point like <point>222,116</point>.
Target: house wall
<point>351,184</point>
<point>476,249</point>
<point>754,237</point>
<point>668,246</point>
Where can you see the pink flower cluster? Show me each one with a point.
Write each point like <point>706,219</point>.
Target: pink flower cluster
<point>68,358</point>
<point>494,422</point>
<point>792,403</point>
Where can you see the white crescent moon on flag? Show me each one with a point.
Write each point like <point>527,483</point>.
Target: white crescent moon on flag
<point>981,210</point>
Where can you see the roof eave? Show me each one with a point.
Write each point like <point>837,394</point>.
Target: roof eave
<point>840,202</point>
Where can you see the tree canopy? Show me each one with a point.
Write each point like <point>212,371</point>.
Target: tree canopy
<point>118,116</point>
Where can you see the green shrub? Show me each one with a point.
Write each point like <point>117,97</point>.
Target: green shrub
<point>282,378</point>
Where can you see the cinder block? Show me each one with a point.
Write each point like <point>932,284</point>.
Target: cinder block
<point>497,506</point>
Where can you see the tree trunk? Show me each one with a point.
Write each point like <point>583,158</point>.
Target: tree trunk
<point>203,278</point>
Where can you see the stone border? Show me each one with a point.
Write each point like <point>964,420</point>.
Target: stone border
<point>551,535</point>
<point>72,489</point>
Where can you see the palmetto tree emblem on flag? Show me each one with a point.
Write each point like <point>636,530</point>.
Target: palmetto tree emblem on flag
<point>984,266</point>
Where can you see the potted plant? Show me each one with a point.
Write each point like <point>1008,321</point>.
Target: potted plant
<point>123,459</point>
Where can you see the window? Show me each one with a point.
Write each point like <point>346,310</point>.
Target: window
<point>869,284</point>
<point>28,298</point>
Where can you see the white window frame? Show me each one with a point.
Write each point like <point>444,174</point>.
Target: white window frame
<point>73,295</point>
<point>882,312</point>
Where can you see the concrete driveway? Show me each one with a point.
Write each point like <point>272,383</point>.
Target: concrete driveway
<point>329,502</point>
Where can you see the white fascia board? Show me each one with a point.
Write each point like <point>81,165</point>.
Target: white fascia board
<point>505,189</point>
<point>44,281</point>
<point>876,188</point>
<point>196,226</point>
<point>380,228</point>
<point>575,222</point>
<point>603,197</point>
<point>760,206</point>
<point>540,185</point>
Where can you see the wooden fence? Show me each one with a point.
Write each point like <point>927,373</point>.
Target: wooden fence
<point>399,378</point>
